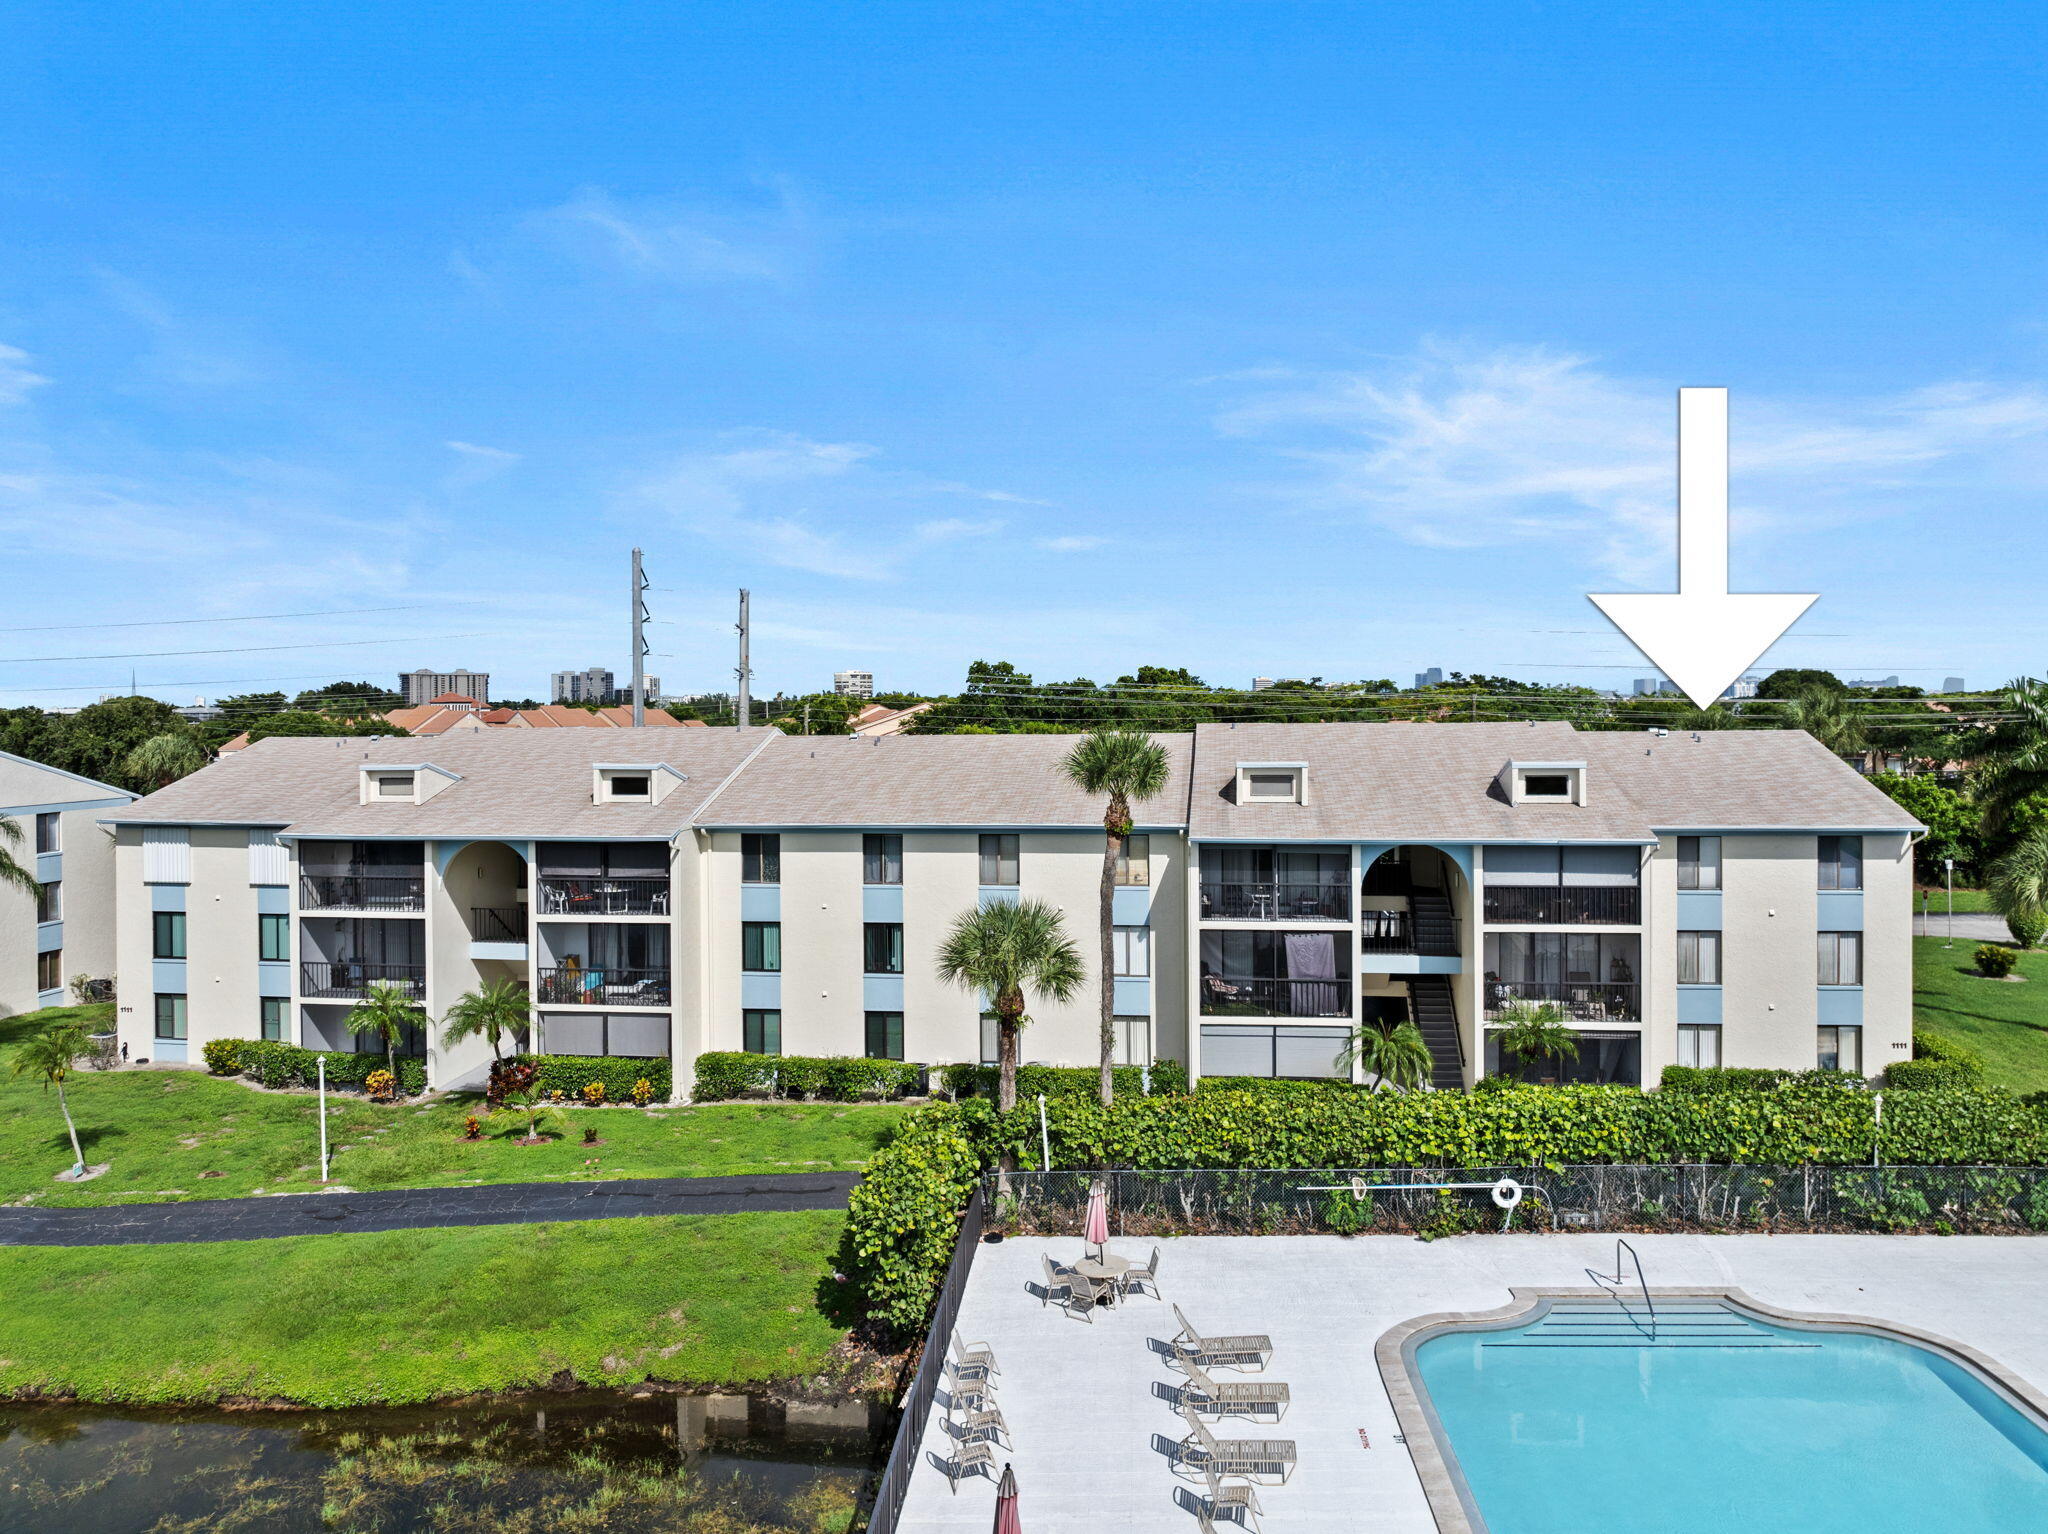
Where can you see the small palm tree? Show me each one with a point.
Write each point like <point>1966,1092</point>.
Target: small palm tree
<point>2019,887</point>
<point>1537,1030</point>
<point>1125,765</point>
<point>163,759</point>
<point>1829,718</point>
<point>536,1108</point>
<point>1001,951</point>
<point>53,1054</point>
<point>13,872</point>
<point>387,1012</point>
<point>500,1010</point>
<point>1397,1056</point>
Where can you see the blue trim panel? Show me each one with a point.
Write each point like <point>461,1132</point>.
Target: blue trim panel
<point>50,998</point>
<point>168,1049</point>
<point>167,976</point>
<point>273,900</point>
<point>760,902</point>
<point>1839,910</point>
<point>1133,996</point>
<point>1131,905</point>
<point>881,993</point>
<point>1699,1004</point>
<point>1699,910</point>
<point>49,867</point>
<point>167,897</point>
<point>1840,1006</point>
<point>997,894</point>
<point>881,902</point>
<point>1411,964</point>
<point>49,936</point>
<point>761,992</point>
<point>273,977</point>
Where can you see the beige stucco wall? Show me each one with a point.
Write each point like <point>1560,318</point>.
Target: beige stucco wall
<point>222,996</point>
<point>1887,951</point>
<point>87,879</point>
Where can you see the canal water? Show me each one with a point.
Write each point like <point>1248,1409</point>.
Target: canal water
<point>589,1463</point>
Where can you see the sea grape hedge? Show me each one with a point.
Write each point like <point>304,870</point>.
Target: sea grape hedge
<point>725,1074</point>
<point>277,1064</point>
<point>1168,1076</point>
<point>904,1215</point>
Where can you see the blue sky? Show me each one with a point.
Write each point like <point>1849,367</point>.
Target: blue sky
<point>1270,338</point>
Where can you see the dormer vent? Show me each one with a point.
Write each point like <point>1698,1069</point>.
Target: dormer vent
<point>1272,783</point>
<point>633,783</point>
<point>1544,782</point>
<point>401,782</point>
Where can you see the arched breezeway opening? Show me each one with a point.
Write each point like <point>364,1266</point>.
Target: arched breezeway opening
<point>1412,897</point>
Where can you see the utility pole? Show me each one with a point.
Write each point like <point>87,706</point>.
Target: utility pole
<point>639,604</point>
<point>745,670</point>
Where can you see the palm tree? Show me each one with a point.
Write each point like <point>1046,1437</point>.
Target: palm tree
<point>387,1012</point>
<point>534,1106</point>
<point>1002,950</point>
<point>52,1055</point>
<point>2019,887</point>
<point>163,759</point>
<point>11,871</point>
<point>501,1008</point>
<point>1829,718</point>
<point>1124,764</point>
<point>2013,764</point>
<point>1397,1056</point>
<point>1537,1030</point>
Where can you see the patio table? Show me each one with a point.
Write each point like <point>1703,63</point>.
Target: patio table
<point>1107,1269</point>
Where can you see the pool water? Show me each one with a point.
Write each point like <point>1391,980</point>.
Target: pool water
<point>1583,1419</point>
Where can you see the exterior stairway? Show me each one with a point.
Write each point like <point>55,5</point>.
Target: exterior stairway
<point>1434,1013</point>
<point>1436,929</point>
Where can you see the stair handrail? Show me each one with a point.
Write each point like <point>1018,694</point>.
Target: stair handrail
<point>1649,1305</point>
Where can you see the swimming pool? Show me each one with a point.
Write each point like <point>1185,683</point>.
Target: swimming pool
<point>1585,1415</point>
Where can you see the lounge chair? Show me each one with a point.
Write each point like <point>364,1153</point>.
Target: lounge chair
<point>1249,1458</point>
<point>1075,1292</point>
<point>1239,1497</point>
<point>973,1455</point>
<point>979,1420</point>
<point>1147,1275</point>
<point>1250,1352</point>
<point>1237,1398</point>
<point>972,1361</point>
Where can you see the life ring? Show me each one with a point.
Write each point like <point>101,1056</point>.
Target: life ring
<point>1507,1193</point>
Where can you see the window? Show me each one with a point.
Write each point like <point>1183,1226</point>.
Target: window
<point>998,860</point>
<point>1133,1040</point>
<point>273,937</point>
<point>1547,785</point>
<point>1699,958</point>
<point>1699,862</point>
<point>1134,861</point>
<point>170,935</point>
<point>50,970</point>
<point>991,1039</point>
<point>50,902</point>
<point>1841,862</point>
<point>761,1032</point>
<point>272,1019</point>
<point>1699,1047</point>
<point>881,860</point>
<point>885,1035</point>
<point>761,859</point>
<point>1272,787</point>
<point>1131,948</point>
<point>170,1017</point>
<point>49,832</point>
<point>392,785</point>
<point>761,946</point>
<point>1841,958</point>
<point>634,785</point>
<point>882,947</point>
<point>1840,1049</point>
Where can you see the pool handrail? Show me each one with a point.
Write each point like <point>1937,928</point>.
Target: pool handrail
<point>1642,1283</point>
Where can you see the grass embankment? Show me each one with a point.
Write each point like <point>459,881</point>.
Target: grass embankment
<point>160,1131</point>
<point>406,1316</point>
<point>2004,1020</point>
<point>1934,901</point>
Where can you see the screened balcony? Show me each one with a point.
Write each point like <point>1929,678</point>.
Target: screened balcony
<point>1591,977</point>
<point>603,879</point>
<point>602,964</point>
<point>1276,884</point>
<point>362,876</point>
<point>1276,974</point>
<point>1563,886</point>
<point>342,957</point>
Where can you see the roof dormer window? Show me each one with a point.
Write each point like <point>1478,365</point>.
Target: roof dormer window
<point>625,783</point>
<point>402,782</point>
<point>1545,782</point>
<point>1271,782</point>
<point>393,785</point>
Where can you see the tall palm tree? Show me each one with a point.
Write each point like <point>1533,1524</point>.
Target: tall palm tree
<point>387,1012</point>
<point>53,1054</point>
<point>11,870</point>
<point>500,1009</point>
<point>163,759</point>
<point>1398,1056</point>
<point>1829,717</point>
<point>2013,764</point>
<point>1126,765</point>
<point>1001,951</point>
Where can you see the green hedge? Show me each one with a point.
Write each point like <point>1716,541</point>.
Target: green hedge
<point>904,1216</point>
<point>277,1064</point>
<point>1723,1078</point>
<point>569,1074</point>
<point>1168,1076</point>
<point>1917,1075</point>
<point>723,1074</point>
<point>1929,1045</point>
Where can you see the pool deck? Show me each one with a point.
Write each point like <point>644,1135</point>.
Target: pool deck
<point>1092,1410</point>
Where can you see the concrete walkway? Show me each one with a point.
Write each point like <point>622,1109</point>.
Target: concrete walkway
<point>1971,926</point>
<point>519,1203</point>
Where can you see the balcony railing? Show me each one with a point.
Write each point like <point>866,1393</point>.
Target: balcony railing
<point>1583,1001</point>
<point>362,892</point>
<point>351,978</point>
<point>1386,932</point>
<point>487,924</point>
<point>1276,901</point>
<point>1590,905</point>
<point>602,987</point>
<point>1234,996</point>
<point>602,896</point>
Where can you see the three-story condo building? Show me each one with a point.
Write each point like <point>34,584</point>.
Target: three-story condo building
<point>66,929</point>
<point>1736,897</point>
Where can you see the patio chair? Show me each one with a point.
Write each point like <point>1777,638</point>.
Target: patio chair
<point>1249,1353</point>
<point>1248,1458</point>
<point>1240,1497</point>
<point>970,1456</point>
<point>1145,1274</point>
<point>1078,1293</point>
<point>989,1420</point>
<point>1238,1398</point>
<point>971,1360</point>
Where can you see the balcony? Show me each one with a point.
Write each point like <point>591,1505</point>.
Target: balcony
<point>1583,1001</point>
<point>605,895</point>
<point>1281,900</point>
<point>561,986</point>
<point>1386,932</point>
<point>349,979</point>
<point>1244,996</point>
<point>362,892</point>
<point>490,924</point>
<point>1566,905</point>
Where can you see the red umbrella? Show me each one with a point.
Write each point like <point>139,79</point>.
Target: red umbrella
<point>1007,1521</point>
<point>1095,1227</point>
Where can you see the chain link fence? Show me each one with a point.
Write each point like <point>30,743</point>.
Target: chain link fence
<point>1321,1201</point>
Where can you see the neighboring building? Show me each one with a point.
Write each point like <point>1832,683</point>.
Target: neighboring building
<point>456,713</point>
<point>1654,687</point>
<point>1430,678</point>
<point>880,719</point>
<point>1261,683</point>
<point>69,930</point>
<point>416,687</point>
<point>1731,897</point>
<point>593,684</point>
<point>854,684</point>
<point>1953,684</point>
<point>1881,681</point>
<point>1742,687</point>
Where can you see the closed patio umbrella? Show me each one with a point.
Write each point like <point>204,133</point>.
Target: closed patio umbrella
<point>1095,1227</point>
<point>1007,1521</point>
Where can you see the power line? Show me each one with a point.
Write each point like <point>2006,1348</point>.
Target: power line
<point>325,644</point>
<point>155,623</point>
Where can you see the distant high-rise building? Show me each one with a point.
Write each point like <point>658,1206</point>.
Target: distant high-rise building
<point>1429,678</point>
<point>593,684</point>
<point>1875,681</point>
<point>854,684</point>
<point>1953,684</point>
<point>1261,683</point>
<point>1742,687</point>
<point>417,687</point>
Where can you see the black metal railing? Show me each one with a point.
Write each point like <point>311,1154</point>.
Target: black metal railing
<point>1235,996</point>
<point>600,986</point>
<point>1583,1001</point>
<point>362,892</point>
<point>1588,905</point>
<point>907,1449</point>
<point>1284,900</point>
<point>488,924</point>
<point>1386,932</point>
<point>353,977</point>
<point>562,895</point>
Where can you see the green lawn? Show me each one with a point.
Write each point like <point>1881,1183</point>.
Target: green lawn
<point>161,1131</point>
<point>2006,1020</point>
<point>1936,901</point>
<point>417,1315</point>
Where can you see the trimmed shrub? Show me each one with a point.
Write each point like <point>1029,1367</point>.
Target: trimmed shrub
<point>1917,1075</point>
<point>723,1074</point>
<point>904,1216</point>
<point>1721,1078</point>
<point>1995,960</point>
<point>966,1080</point>
<point>277,1064</point>
<point>570,1074</point>
<point>1929,1045</point>
<point>222,1056</point>
<point>2027,927</point>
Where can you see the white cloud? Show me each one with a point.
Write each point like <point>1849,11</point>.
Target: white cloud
<point>1463,448</point>
<point>16,378</point>
<point>665,241</point>
<point>1076,543</point>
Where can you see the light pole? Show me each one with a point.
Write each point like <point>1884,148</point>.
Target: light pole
<point>1948,866</point>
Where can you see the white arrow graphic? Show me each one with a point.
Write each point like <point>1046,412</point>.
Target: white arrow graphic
<point>1705,636</point>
